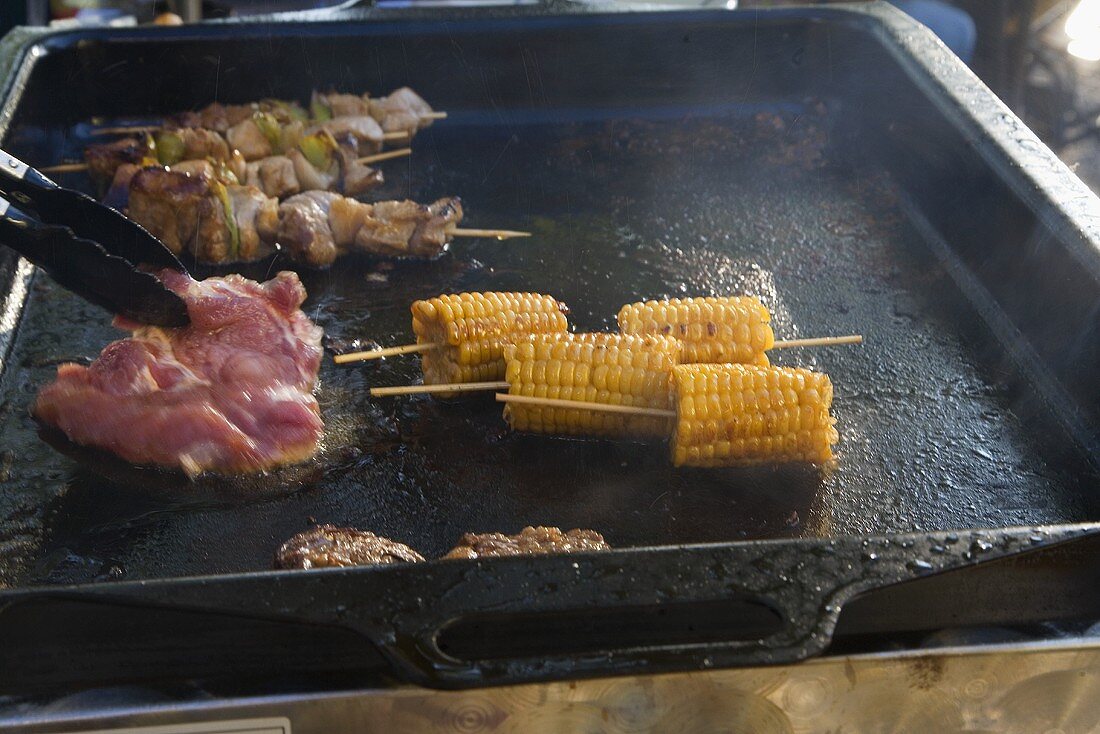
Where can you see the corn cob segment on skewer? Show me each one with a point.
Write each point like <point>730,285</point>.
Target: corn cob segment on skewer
<point>712,329</point>
<point>610,369</point>
<point>728,415</point>
<point>470,330</point>
<point>737,415</point>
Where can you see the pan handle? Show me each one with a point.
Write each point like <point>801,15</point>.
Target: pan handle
<point>666,610</point>
<point>452,624</point>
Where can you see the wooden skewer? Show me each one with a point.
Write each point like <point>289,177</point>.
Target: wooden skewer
<point>381,392</point>
<point>820,341</point>
<point>65,168</point>
<point>500,234</point>
<point>378,157</point>
<point>126,129</point>
<point>387,352</point>
<point>583,405</point>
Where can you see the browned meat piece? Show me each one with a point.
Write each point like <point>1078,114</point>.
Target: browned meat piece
<point>196,168</point>
<point>220,118</point>
<point>363,129</point>
<point>190,212</point>
<point>200,143</point>
<point>104,159</point>
<point>309,177</point>
<point>326,546</point>
<point>247,137</point>
<point>342,104</point>
<point>530,541</point>
<point>356,178</point>
<point>212,117</point>
<point>410,229</point>
<point>257,218</point>
<point>274,176</point>
<point>181,212</point>
<point>118,195</point>
<point>403,109</point>
<point>345,218</point>
<point>304,229</point>
<point>317,226</point>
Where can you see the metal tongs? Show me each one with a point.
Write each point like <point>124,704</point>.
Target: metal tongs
<point>88,248</point>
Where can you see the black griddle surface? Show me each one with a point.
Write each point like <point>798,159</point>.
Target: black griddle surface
<point>748,201</point>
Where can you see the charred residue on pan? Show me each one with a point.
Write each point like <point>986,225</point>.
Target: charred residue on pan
<point>619,211</point>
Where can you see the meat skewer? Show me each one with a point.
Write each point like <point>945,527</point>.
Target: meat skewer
<point>256,153</point>
<point>331,169</point>
<point>218,223</point>
<point>400,111</point>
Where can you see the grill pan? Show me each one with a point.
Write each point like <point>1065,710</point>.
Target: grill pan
<point>838,162</point>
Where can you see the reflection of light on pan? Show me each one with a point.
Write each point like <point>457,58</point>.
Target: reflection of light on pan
<point>1083,29</point>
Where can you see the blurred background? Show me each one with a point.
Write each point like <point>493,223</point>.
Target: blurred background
<point>1041,56</point>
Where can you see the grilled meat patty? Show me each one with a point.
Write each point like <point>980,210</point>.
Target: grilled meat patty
<point>529,541</point>
<point>327,545</point>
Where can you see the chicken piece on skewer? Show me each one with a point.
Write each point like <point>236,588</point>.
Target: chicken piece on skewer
<point>403,110</point>
<point>320,163</point>
<point>163,148</point>
<point>262,135</point>
<point>188,144</point>
<point>118,195</point>
<point>220,118</point>
<point>105,158</point>
<point>317,226</point>
<point>200,215</point>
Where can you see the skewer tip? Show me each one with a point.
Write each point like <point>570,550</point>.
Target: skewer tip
<point>497,234</point>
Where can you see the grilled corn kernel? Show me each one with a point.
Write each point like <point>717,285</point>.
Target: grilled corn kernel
<point>614,369</point>
<point>473,329</point>
<point>712,329</point>
<point>735,415</point>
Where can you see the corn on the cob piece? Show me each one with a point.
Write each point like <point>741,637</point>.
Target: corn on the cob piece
<point>472,329</point>
<point>736,415</point>
<point>613,369</point>
<point>712,329</point>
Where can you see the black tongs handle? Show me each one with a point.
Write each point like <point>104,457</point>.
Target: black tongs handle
<point>21,183</point>
<point>86,268</point>
<point>30,190</point>
<point>89,248</point>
